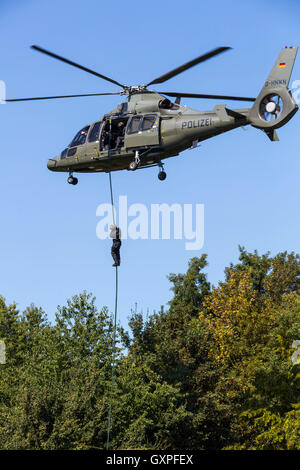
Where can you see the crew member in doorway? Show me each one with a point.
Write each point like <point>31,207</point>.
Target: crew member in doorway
<point>115,234</point>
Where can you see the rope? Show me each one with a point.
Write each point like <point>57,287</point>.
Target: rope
<point>109,174</point>
<point>113,363</point>
<point>116,301</point>
<point>112,198</point>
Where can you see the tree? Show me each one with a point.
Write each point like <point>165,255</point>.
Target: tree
<point>191,288</point>
<point>174,345</point>
<point>212,371</point>
<point>59,394</point>
<point>254,319</point>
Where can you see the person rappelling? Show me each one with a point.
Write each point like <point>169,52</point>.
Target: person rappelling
<point>115,234</point>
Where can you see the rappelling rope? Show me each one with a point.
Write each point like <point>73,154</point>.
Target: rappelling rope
<point>116,300</point>
<point>111,194</point>
<point>113,363</point>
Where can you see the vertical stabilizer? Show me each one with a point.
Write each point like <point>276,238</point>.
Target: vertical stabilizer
<point>275,105</point>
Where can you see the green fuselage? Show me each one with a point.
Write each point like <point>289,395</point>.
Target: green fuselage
<point>149,124</point>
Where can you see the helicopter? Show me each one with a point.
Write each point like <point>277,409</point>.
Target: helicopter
<point>149,127</point>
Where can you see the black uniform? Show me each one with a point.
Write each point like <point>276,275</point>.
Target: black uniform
<point>115,249</point>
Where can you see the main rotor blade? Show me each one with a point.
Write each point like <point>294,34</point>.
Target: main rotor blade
<point>70,62</point>
<point>198,95</point>
<point>188,65</point>
<point>63,96</point>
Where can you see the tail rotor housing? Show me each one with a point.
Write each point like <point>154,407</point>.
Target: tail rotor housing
<point>275,106</point>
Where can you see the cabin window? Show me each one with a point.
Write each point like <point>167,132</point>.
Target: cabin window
<point>94,133</point>
<point>80,137</point>
<point>134,125</point>
<point>148,122</point>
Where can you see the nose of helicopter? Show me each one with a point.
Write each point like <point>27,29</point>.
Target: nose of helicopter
<point>51,163</point>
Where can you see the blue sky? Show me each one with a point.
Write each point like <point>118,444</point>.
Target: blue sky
<point>249,186</point>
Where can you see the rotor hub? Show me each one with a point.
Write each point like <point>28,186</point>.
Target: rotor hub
<point>270,107</point>
<point>130,90</point>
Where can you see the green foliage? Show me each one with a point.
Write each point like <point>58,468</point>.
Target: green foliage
<point>56,396</point>
<point>148,413</point>
<point>190,288</point>
<point>213,371</point>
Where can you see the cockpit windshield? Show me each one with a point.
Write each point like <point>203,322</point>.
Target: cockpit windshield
<point>80,137</point>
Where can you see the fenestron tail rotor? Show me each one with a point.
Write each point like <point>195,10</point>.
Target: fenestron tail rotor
<point>271,107</point>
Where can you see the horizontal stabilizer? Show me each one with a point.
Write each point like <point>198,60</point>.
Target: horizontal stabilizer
<point>237,116</point>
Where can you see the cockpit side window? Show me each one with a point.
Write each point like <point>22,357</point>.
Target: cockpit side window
<point>148,122</point>
<point>94,133</point>
<point>134,124</point>
<point>80,137</point>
